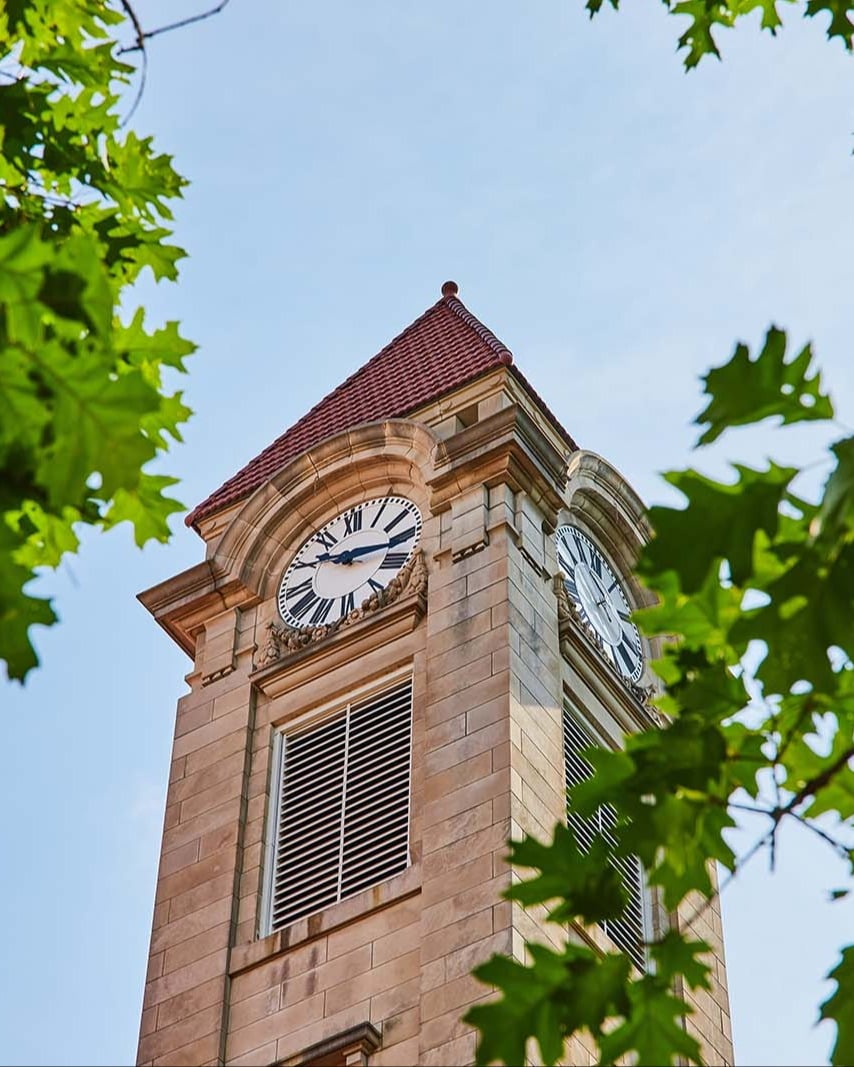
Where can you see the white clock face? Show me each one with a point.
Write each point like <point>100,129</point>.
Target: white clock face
<point>352,556</point>
<point>599,599</point>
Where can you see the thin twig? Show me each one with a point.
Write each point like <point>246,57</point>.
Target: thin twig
<point>131,14</point>
<point>140,47</point>
<point>143,69</point>
<point>837,846</point>
<point>811,787</point>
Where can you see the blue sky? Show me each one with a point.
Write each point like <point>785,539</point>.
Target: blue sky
<point>617,223</point>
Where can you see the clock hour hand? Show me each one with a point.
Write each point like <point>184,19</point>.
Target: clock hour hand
<point>349,554</point>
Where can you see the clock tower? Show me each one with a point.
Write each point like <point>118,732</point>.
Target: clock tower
<point>412,617</point>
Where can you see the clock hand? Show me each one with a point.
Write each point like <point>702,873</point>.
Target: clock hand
<point>349,554</point>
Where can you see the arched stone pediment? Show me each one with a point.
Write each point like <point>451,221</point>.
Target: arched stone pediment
<point>394,457</point>
<point>599,498</point>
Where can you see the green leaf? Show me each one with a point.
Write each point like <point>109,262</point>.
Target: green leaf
<point>18,609</point>
<point>611,769</point>
<point>558,994</point>
<point>47,537</point>
<point>676,956</point>
<point>163,347</point>
<point>97,431</point>
<point>146,508</point>
<point>23,412</point>
<point>586,885</point>
<point>804,766</point>
<point>701,620</point>
<point>841,23</point>
<point>837,1008</point>
<point>811,609</point>
<point>23,258</point>
<point>161,259</point>
<point>720,522</point>
<point>836,515</point>
<point>653,1030</point>
<point>747,390</point>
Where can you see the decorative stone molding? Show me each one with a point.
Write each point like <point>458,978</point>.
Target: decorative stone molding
<point>507,448</point>
<point>569,621</point>
<point>350,1048</point>
<point>284,640</point>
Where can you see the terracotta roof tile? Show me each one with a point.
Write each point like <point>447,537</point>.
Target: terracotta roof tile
<point>442,350</point>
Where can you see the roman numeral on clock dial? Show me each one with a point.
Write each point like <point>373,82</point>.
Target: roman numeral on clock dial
<point>394,561</point>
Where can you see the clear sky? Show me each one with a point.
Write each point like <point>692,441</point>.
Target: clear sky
<point>617,223</point>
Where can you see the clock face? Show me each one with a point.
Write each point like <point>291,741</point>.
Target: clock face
<point>352,556</point>
<point>599,599</point>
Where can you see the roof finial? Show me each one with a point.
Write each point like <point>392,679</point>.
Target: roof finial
<point>450,289</point>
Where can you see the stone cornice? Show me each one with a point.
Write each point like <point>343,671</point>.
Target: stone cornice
<point>182,604</point>
<point>505,448</point>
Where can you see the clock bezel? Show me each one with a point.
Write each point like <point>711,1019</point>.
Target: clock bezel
<point>312,615</point>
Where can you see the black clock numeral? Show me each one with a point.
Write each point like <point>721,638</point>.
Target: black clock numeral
<point>579,544</point>
<point>399,538</point>
<point>613,585</point>
<point>348,603</point>
<point>596,564</point>
<point>298,563</point>
<point>632,641</point>
<point>626,655</point>
<point>352,522</point>
<point>377,516</point>
<point>393,560</point>
<point>295,590</point>
<point>567,548</point>
<point>624,615</point>
<point>327,539</point>
<point>321,612</point>
<point>400,516</point>
<point>377,588</point>
<point>305,605</point>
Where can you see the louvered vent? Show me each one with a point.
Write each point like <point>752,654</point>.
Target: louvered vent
<point>627,932</point>
<point>343,811</point>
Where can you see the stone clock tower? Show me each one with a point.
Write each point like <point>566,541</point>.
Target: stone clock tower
<point>411,618</point>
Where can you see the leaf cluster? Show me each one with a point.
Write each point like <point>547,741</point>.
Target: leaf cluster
<point>754,595</point>
<point>707,17</point>
<point>84,209</point>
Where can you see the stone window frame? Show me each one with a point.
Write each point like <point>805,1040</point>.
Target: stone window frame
<point>305,719</point>
<point>348,1048</point>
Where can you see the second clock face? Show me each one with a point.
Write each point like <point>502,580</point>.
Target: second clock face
<point>599,599</point>
<point>354,555</point>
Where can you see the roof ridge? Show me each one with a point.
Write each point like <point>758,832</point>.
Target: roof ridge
<point>484,333</point>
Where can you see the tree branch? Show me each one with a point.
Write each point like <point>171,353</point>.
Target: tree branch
<point>144,36</point>
<point>131,14</point>
<point>138,47</point>
<point>811,787</point>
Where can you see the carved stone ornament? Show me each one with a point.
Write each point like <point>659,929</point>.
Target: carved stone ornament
<point>569,618</point>
<point>283,640</point>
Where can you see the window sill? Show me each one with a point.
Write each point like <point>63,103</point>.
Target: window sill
<point>406,884</point>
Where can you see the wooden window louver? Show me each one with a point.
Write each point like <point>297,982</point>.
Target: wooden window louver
<point>628,931</point>
<point>342,818</point>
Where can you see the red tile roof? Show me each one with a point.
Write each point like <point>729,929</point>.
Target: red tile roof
<point>443,349</point>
